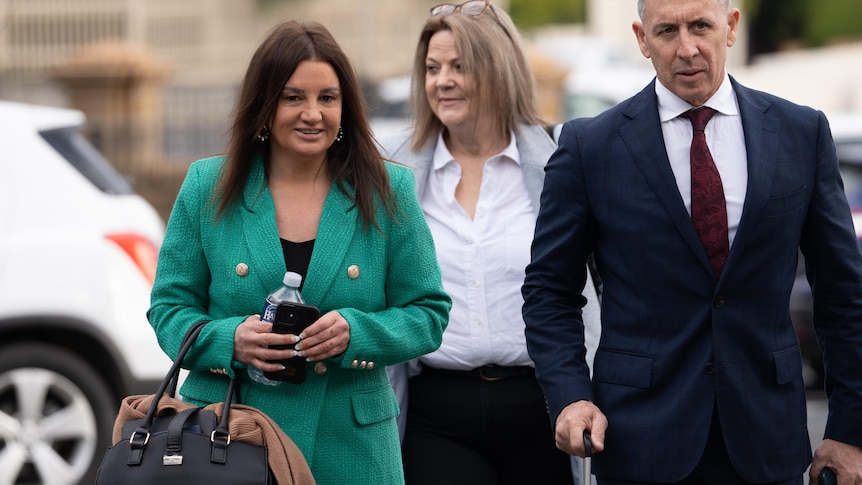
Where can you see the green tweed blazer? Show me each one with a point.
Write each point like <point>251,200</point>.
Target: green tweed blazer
<point>343,416</point>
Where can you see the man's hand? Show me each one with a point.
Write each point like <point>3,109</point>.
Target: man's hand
<point>573,420</point>
<point>845,459</point>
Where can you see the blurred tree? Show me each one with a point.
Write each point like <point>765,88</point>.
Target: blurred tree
<point>773,24</point>
<point>262,4</point>
<point>532,13</point>
<point>832,20</point>
<point>778,24</point>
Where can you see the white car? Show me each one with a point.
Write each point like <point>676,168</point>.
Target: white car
<point>78,252</point>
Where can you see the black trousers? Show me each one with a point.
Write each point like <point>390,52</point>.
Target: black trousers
<point>714,467</point>
<point>465,429</point>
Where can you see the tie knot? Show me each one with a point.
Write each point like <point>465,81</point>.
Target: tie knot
<point>699,117</point>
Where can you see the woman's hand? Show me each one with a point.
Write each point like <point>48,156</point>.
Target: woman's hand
<point>327,337</point>
<point>252,344</point>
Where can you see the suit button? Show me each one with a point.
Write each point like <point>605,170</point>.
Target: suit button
<point>370,365</point>
<point>320,368</point>
<point>718,301</point>
<point>354,364</point>
<point>710,368</point>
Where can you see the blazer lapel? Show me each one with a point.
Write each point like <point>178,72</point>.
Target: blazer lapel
<point>642,135</point>
<point>334,234</point>
<point>397,149</point>
<point>337,225</point>
<point>536,147</point>
<point>421,162</point>
<point>260,230</point>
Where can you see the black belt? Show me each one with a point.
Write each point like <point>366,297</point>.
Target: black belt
<point>487,372</point>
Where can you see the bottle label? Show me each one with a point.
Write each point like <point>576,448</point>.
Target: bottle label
<point>268,312</point>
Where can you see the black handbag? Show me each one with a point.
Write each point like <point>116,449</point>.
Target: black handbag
<point>191,446</point>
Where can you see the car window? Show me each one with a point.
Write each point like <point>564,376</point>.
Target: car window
<point>586,105</point>
<point>72,146</point>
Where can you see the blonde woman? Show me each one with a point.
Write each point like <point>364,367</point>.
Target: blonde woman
<point>478,148</point>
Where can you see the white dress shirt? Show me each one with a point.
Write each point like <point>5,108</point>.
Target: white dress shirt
<point>724,137</point>
<point>482,260</point>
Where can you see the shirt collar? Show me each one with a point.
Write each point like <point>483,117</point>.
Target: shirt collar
<point>670,105</point>
<point>442,155</point>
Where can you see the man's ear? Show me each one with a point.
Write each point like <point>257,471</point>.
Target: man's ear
<point>640,35</point>
<point>732,26</point>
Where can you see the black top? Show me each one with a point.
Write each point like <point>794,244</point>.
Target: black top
<point>297,256</point>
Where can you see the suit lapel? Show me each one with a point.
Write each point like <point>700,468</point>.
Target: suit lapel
<point>760,127</point>
<point>642,135</point>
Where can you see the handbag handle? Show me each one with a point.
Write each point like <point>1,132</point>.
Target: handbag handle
<point>171,377</point>
<point>220,437</point>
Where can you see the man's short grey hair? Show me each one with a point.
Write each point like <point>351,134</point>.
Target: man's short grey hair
<point>642,7</point>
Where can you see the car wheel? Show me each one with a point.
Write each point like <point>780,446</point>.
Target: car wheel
<point>56,416</point>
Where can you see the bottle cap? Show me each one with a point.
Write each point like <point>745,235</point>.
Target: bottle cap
<point>292,279</point>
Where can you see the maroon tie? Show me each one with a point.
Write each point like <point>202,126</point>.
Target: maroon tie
<point>708,210</point>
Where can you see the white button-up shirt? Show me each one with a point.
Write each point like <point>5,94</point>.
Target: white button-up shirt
<point>725,140</point>
<point>482,260</point>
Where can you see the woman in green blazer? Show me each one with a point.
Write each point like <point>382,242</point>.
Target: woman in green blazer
<point>302,188</point>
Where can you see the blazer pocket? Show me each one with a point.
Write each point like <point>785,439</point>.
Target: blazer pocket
<point>625,369</point>
<point>788,364</point>
<point>785,203</point>
<point>374,405</point>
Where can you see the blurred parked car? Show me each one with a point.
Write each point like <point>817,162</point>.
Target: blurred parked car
<point>847,132</point>
<point>78,252</point>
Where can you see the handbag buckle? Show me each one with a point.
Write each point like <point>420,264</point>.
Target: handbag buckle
<point>132,439</point>
<point>213,437</point>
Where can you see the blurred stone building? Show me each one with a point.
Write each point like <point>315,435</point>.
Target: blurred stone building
<point>204,44</point>
<point>158,78</point>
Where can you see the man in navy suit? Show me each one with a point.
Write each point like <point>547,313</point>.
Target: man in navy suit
<point>697,379</point>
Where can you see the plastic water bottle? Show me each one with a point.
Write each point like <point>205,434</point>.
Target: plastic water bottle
<point>289,291</point>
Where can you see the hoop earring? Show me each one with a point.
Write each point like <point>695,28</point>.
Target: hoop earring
<point>340,135</point>
<point>263,135</point>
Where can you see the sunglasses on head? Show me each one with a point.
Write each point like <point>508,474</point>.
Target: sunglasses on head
<point>473,8</point>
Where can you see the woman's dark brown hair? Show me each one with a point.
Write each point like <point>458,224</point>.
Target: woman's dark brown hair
<point>354,162</point>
